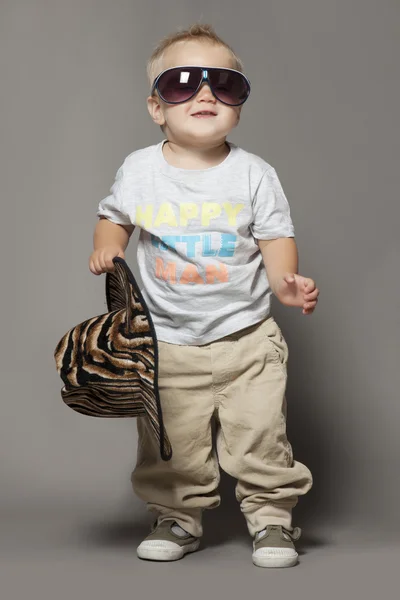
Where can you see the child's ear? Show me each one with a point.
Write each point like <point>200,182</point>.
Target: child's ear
<point>155,109</point>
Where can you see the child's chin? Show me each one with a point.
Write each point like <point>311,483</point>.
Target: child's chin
<point>203,130</point>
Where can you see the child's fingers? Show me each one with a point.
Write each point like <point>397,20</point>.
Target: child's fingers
<point>96,266</point>
<point>109,265</point>
<point>309,306</point>
<point>311,295</point>
<point>101,261</point>
<point>309,285</point>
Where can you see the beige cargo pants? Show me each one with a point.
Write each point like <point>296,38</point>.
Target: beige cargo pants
<point>239,380</point>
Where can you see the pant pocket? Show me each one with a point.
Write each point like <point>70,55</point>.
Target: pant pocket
<point>277,346</point>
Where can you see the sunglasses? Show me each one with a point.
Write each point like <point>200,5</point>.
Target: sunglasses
<point>180,84</point>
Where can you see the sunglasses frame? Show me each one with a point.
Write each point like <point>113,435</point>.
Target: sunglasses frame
<point>203,79</point>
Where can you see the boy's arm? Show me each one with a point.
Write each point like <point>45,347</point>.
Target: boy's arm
<point>107,233</point>
<point>109,240</point>
<point>280,256</point>
<point>281,262</point>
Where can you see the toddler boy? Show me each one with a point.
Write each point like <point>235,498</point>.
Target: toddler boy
<point>216,241</point>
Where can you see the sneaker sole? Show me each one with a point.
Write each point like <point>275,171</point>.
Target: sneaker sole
<point>275,561</point>
<point>166,554</point>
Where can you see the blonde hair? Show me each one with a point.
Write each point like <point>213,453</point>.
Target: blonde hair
<point>196,32</point>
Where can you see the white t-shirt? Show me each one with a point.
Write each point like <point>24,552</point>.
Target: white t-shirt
<point>202,271</point>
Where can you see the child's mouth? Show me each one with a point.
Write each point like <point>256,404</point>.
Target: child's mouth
<point>204,115</point>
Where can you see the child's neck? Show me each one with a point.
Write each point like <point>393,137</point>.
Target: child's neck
<point>194,158</point>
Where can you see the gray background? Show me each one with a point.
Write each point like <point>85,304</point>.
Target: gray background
<point>324,113</point>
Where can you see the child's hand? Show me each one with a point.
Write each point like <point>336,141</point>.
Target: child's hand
<point>296,290</point>
<point>101,260</point>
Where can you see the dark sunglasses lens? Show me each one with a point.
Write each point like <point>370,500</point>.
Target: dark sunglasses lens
<point>178,85</point>
<point>229,87</point>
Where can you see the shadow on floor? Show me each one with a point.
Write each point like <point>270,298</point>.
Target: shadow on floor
<point>221,526</point>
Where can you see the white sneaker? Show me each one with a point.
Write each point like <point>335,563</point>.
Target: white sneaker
<point>274,547</point>
<point>167,541</point>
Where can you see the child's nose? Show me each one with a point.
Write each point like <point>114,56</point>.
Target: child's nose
<point>205,92</point>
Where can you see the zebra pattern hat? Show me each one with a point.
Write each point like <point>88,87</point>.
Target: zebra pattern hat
<point>109,363</point>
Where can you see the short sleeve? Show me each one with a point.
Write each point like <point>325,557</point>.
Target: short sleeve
<point>271,212</point>
<point>112,207</point>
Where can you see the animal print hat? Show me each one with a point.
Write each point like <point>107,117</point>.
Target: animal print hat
<point>109,363</point>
